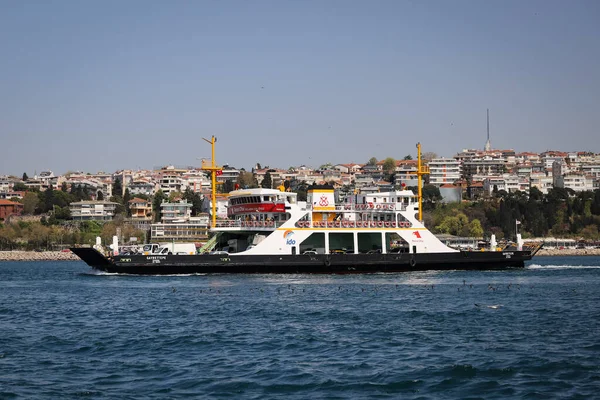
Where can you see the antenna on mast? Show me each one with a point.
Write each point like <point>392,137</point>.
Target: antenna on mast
<point>488,144</point>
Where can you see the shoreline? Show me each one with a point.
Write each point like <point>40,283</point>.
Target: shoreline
<point>18,255</point>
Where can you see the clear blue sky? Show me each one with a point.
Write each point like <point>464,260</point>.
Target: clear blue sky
<point>107,85</point>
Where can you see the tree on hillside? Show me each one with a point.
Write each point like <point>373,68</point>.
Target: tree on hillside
<point>30,203</point>
<point>431,195</point>
<point>372,161</point>
<point>475,229</point>
<point>159,196</point>
<point>63,187</point>
<point>48,199</point>
<point>407,157</point>
<point>20,187</point>
<point>195,199</point>
<point>174,196</point>
<point>595,207</point>
<point>389,166</point>
<point>267,181</point>
<point>126,198</point>
<point>117,187</point>
<point>25,177</point>
<point>429,155</point>
<point>245,179</point>
<point>302,191</point>
<point>100,195</point>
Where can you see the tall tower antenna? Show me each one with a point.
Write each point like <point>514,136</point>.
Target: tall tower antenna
<point>488,124</point>
<point>488,145</point>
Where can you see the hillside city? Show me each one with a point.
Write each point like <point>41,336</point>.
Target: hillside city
<point>173,203</point>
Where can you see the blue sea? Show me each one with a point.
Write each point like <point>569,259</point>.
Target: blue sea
<point>67,332</point>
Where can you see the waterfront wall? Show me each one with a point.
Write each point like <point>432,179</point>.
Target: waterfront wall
<point>569,252</point>
<point>37,256</point>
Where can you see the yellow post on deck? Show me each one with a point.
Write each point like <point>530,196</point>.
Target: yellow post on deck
<point>213,169</point>
<point>421,170</point>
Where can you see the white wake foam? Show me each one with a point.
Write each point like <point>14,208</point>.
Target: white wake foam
<point>550,267</point>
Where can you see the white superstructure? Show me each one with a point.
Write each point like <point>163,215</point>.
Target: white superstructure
<point>271,222</point>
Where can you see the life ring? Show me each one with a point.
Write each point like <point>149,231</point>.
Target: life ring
<point>337,224</point>
<point>413,262</point>
<point>373,224</point>
<point>351,224</point>
<point>358,224</point>
<point>327,262</point>
<point>345,223</point>
<point>300,224</point>
<point>380,224</point>
<point>378,206</point>
<point>271,223</point>
<point>391,207</point>
<point>371,206</point>
<point>387,224</point>
<point>346,207</point>
<point>393,224</point>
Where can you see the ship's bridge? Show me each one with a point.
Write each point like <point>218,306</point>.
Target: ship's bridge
<point>258,208</point>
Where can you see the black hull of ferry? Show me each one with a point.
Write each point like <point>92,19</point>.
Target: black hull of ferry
<point>301,264</point>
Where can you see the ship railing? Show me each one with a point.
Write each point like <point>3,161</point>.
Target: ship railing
<point>366,207</point>
<point>230,223</point>
<point>371,207</point>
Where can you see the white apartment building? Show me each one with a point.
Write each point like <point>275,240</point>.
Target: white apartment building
<point>141,187</point>
<point>177,224</point>
<point>443,171</point>
<point>507,182</point>
<point>592,169</point>
<point>93,210</point>
<point>179,211</point>
<point>574,180</point>
<point>170,183</point>
<point>6,184</point>
<point>542,181</point>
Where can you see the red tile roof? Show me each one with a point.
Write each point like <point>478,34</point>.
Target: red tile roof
<point>138,200</point>
<point>9,203</point>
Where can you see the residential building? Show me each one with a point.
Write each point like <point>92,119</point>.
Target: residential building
<point>171,212</point>
<point>576,181</point>
<point>171,182</point>
<point>140,209</point>
<point>195,229</point>
<point>6,184</point>
<point>484,166</point>
<point>140,186</point>
<point>591,169</point>
<point>8,208</point>
<point>93,210</point>
<point>542,181</point>
<point>508,182</point>
<point>443,171</point>
<point>177,224</point>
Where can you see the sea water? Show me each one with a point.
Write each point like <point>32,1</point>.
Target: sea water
<point>67,332</point>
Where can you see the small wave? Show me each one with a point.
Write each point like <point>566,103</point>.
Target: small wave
<point>103,273</point>
<point>555,267</point>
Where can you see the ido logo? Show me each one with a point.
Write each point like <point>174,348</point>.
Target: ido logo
<point>288,236</point>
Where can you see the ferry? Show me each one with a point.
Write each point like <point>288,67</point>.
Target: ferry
<point>271,231</point>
